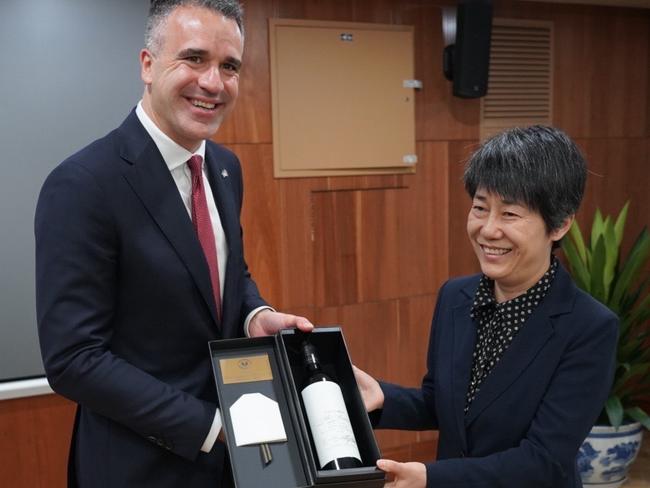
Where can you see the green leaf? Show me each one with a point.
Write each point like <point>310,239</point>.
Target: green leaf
<point>577,265</point>
<point>641,312</point>
<point>637,317</point>
<point>630,299</point>
<point>576,236</point>
<point>625,350</point>
<point>598,259</point>
<point>611,257</point>
<point>638,414</point>
<point>623,285</point>
<point>619,227</point>
<point>596,228</point>
<point>636,370</point>
<point>614,409</point>
<point>635,263</point>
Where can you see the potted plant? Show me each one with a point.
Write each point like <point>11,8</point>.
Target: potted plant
<point>623,286</point>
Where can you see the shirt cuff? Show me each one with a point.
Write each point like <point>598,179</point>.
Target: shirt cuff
<point>213,434</point>
<point>251,315</point>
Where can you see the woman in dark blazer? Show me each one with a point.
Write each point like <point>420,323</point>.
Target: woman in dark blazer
<point>520,360</point>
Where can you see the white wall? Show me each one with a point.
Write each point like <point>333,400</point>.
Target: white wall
<point>69,73</point>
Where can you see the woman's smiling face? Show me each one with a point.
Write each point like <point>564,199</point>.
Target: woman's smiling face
<point>511,242</point>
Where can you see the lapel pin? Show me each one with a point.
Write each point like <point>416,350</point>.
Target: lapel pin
<point>224,173</point>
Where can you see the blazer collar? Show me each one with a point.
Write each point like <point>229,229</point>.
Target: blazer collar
<point>150,179</point>
<point>539,328</point>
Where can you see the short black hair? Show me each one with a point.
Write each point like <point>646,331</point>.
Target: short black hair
<point>538,166</point>
<point>159,10</point>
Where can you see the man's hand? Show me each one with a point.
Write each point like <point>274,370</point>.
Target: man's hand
<point>373,397</point>
<point>407,475</point>
<point>268,322</point>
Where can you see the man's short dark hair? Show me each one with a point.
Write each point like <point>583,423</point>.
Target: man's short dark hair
<point>159,10</point>
<point>538,166</point>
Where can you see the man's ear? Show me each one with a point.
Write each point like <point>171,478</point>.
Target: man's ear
<point>560,232</point>
<point>146,62</point>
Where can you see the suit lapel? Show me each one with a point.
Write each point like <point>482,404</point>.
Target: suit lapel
<point>151,180</point>
<point>537,331</point>
<point>531,338</point>
<point>220,181</point>
<point>463,347</point>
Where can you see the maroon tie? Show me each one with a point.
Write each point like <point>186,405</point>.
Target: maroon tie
<point>203,226</point>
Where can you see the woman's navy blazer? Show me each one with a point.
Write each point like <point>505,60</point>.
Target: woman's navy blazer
<point>527,422</point>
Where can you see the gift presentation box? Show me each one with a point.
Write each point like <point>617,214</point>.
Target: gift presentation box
<point>240,367</point>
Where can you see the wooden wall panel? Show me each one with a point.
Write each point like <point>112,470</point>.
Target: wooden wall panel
<point>335,217</point>
<point>601,73</point>
<point>35,437</point>
<point>423,223</point>
<point>380,321</point>
<point>413,334</point>
<point>314,9</point>
<point>378,245</point>
<point>297,243</point>
<point>261,217</point>
<point>383,243</point>
<point>647,91</point>
<point>356,239</point>
<point>424,451</point>
<point>400,331</point>
<point>462,260</point>
<point>250,122</point>
<point>371,182</point>
<point>375,11</point>
<point>601,66</point>
<point>618,172</point>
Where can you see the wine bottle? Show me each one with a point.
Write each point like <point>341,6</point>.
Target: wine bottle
<point>327,416</point>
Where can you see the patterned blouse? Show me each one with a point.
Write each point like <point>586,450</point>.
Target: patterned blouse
<point>499,323</point>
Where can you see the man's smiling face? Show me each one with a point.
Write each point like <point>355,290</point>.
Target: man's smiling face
<point>192,78</point>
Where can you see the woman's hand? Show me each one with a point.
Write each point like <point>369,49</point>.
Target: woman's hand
<point>406,475</point>
<point>373,397</point>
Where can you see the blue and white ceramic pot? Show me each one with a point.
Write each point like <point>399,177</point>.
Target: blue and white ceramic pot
<point>606,454</point>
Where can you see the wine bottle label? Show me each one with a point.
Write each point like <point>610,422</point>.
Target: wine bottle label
<point>329,422</point>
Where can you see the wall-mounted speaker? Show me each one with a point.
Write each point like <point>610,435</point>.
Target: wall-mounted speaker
<point>466,62</point>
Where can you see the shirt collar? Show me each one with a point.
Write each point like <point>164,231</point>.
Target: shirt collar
<point>484,295</point>
<point>174,154</point>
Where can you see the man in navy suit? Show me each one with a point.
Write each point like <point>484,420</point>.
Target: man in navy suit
<point>520,360</point>
<point>129,289</point>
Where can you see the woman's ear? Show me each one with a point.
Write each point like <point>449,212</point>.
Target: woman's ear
<point>560,232</point>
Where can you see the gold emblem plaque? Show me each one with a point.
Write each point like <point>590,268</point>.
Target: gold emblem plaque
<point>244,369</point>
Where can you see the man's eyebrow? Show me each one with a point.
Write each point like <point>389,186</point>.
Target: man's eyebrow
<point>189,52</point>
<point>236,62</point>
